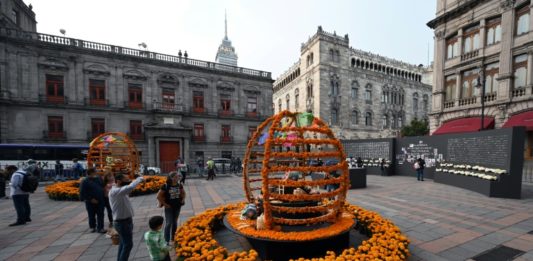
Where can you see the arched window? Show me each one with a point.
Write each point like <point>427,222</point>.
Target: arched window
<point>353,62</point>
<point>288,99</point>
<point>312,58</point>
<point>279,105</point>
<point>332,54</point>
<point>393,121</point>
<point>309,89</point>
<point>368,119</point>
<point>425,100</point>
<point>400,120</point>
<point>296,99</point>
<point>415,102</point>
<point>334,117</point>
<point>354,118</point>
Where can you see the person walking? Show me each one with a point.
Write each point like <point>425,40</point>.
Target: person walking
<point>92,192</point>
<point>183,169</point>
<point>21,198</point>
<point>123,212</point>
<point>171,196</point>
<point>210,169</point>
<point>200,163</point>
<point>77,169</point>
<point>59,170</point>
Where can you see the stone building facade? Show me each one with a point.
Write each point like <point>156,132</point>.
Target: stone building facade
<point>360,94</point>
<point>483,45</point>
<point>58,90</point>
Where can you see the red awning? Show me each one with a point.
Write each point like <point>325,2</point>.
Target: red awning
<point>465,125</point>
<point>522,119</point>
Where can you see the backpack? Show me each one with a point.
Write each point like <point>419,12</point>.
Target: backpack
<point>417,165</point>
<point>29,182</point>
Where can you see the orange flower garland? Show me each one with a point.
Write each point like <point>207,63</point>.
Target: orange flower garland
<point>196,242</point>
<point>70,190</point>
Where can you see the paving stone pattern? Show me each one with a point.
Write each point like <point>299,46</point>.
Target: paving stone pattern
<point>443,222</point>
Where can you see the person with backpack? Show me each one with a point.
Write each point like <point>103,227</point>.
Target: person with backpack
<point>419,167</point>
<point>23,182</point>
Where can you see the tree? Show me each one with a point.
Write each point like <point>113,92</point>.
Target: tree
<point>416,128</point>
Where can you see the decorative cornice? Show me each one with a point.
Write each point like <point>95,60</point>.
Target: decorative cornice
<point>96,72</point>
<point>198,85</point>
<point>135,77</point>
<point>439,35</point>
<point>251,92</point>
<point>53,66</point>
<point>459,10</point>
<point>507,4</point>
<point>225,88</point>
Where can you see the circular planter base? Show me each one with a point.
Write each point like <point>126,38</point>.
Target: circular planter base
<point>269,249</point>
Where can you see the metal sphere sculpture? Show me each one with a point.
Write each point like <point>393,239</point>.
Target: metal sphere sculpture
<point>285,152</point>
<point>114,151</point>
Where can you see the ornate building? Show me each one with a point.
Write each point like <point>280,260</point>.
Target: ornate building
<point>60,90</point>
<point>226,53</point>
<point>482,45</point>
<point>360,94</point>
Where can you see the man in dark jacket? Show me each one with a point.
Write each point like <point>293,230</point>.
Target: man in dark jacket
<point>92,192</point>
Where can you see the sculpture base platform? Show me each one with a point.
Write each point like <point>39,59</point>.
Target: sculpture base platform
<point>269,249</point>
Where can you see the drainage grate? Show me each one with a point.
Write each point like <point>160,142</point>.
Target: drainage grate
<point>499,253</point>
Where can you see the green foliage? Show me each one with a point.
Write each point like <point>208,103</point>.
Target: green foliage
<point>416,128</point>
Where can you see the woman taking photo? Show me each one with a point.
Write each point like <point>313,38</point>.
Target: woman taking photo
<point>171,196</point>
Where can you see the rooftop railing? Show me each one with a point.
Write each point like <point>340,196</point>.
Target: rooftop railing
<point>101,47</point>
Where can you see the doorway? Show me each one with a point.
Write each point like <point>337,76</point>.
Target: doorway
<point>169,152</point>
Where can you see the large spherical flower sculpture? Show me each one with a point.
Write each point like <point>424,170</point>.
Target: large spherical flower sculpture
<point>114,151</point>
<point>292,152</point>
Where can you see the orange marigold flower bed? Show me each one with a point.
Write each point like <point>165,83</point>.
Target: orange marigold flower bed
<point>195,237</point>
<point>70,190</point>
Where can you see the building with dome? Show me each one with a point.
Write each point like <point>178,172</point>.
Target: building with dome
<point>360,94</point>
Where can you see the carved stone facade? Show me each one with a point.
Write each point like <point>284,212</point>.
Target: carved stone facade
<point>360,94</point>
<point>493,37</point>
<point>59,90</point>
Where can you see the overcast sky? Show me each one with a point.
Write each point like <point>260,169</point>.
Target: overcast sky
<point>266,34</point>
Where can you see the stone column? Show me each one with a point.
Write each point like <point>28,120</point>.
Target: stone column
<point>482,36</point>
<point>458,87</point>
<point>529,72</point>
<point>505,74</point>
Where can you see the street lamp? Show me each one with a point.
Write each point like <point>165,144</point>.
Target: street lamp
<point>481,84</point>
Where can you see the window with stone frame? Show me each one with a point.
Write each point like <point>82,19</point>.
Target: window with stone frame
<point>425,102</point>
<point>334,117</point>
<point>198,132</point>
<point>469,84</point>
<point>354,118</point>
<point>368,94</point>
<point>522,19</point>
<point>279,105</point>
<point>251,107</point>
<point>55,127</point>
<point>288,101</point>
<point>355,90</point>
<point>520,71</point>
<point>309,90</point>
<point>334,91</point>
<point>198,101</point>
<point>415,102</point>
<point>385,97</point>
<point>471,39</point>
<point>135,94</point>
<point>226,133</point>
<point>54,89</point>
<point>491,78</point>
<point>368,119</point>
<point>493,30</point>
<point>225,104</point>
<point>136,129</point>
<point>385,121</point>
<point>296,99</point>
<point>452,47</point>
<point>450,87</point>
<point>168,98</point>
<point>97,92</point>
<point>97,126</point>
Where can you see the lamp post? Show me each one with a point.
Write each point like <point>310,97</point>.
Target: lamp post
<point>481,84</point>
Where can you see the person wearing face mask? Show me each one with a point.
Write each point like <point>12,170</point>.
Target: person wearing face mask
<point>123,212</point>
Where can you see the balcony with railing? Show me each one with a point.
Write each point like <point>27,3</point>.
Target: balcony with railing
<point>490,97</point>
<point>225,113</point>
<point>199,110</point>
<point>469,55</point>
<point>198,139</point>
<point>449,104</point>
<point>517,92</point>
<point>168,107</point>
<point>54,135</point>
<point>136,136</point>
<point>252,114</point>
<point>96,102</point>
<point>133,105</point>
<point>54,40</point>
<point>467,101</point>
<point>226,139</point>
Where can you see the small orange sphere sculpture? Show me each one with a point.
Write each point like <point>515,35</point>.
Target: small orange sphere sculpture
<point>282,169</point>
<point>114,151</point>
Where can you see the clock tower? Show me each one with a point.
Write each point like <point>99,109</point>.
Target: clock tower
<point>226,53</point>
